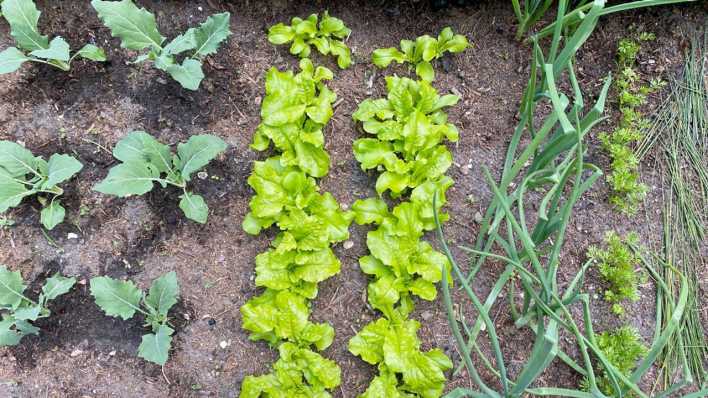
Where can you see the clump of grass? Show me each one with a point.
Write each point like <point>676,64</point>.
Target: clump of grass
<point>679,129</point>
<point>623,348</point>
<point>618,265</point>
<point>627,191</point>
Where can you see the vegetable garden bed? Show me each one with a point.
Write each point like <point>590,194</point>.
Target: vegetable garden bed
<point>86,111</point>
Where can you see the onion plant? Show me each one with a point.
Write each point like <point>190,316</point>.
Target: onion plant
<point>528,12</point>
<point>553,163</point>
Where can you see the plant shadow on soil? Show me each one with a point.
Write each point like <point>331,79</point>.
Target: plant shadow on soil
<point>76,321</point>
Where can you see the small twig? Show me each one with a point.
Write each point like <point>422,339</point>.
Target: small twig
<point>97,144</point>
<point>165,376</point>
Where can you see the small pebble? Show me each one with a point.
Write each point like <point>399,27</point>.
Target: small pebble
<point>76,353</point>
<point>202,175</point>
<point>478,217</point>
<point>224,344</point>
<point>112,353</point>
<point>348,244</point>
<point>72,235</point>
<point>426,315</point>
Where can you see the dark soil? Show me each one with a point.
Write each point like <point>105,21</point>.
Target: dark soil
<point>82,353</point>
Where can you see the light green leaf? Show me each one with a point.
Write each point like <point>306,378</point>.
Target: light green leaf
<point>136,27</point>
<point>194,207</point>
<point>116,298</point>
<point>189,75</point>
<point>368,343</point>
<point>22,15</point>
<point>197,152</point>
<point>29,312</point>
<point>61,168</point>
<point>342,52</point>
<point>426,48</point>
<point>383,57</point>
<point>370,210</point>
<point>400,344</point>
<point>52,215</point>
<point>425,71</point>
<point>128,179</point>
<point>11,59</point>
<point>58,49</point>
<point>211,33</point>
<point>56,286</point>
<point>280,34</point>
<point>141,147</point>
<point>92,53</point>
<point>313,160</point>
<point>11,191</point>
<point>163,293</point>
<point>155,347</point>
<point>180,44</point>
<point>16,159</point>
<point>11,288</point>
<point>8,335</point>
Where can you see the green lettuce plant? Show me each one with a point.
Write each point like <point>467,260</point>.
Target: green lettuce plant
<point>23,16</point>
<point>294,112</point>
<point>327,37</point>
<point>146,161</point>
<point>122,299</point>
<point>409,127</point>
<point>19,311</point>
<point>421,52</point>
<point>22,175</point>
<point>137,30</point>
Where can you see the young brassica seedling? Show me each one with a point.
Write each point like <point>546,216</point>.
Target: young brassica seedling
<point>22,174</point>
<point>19,310</point>
<point>327,37</point>
<point>22,15</point>
<point>137,29</point>
<point>146,161</point>
<point>421,52</point>
<point>122,299</point>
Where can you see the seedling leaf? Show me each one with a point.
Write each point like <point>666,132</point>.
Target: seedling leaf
<point>128,179</point>
<point>56,286</point>
<point>194,207</point>
<point>197,153</point>
<point>163,293</point>
<point>116,298</point>
<point>22,15</point>
<point>52,215</point>
<point>11,288</point>
<point>92,53</point>
<point>155,347</point>
<point>58,49</point>
<point>136,27</point>
<point>211,33</point>
<point>11,59</point>
<point>60,169</point>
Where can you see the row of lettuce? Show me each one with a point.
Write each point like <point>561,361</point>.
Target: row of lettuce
<point>405,141</point>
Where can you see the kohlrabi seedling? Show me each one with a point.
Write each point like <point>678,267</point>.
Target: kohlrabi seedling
<point>146,161</point>
<point>22,15</point>
<point>137,30</point>
<point>122,299</point>
<point>19,310</point>
<point>22,174</point>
